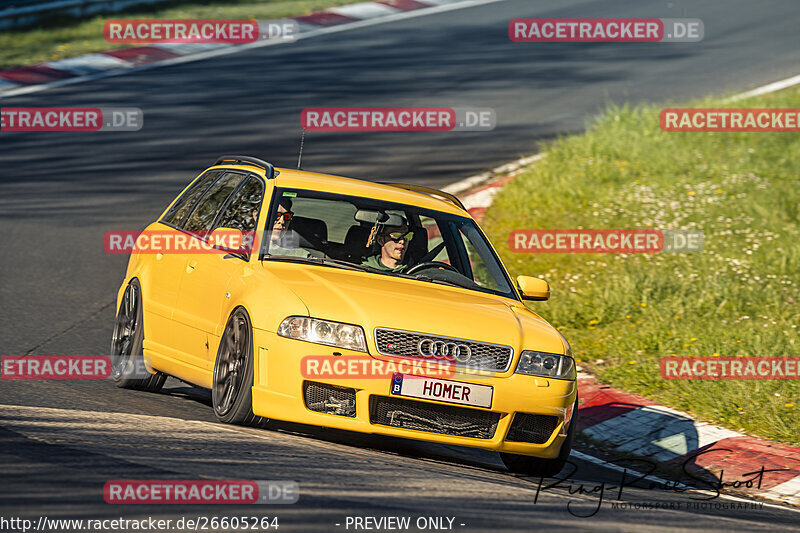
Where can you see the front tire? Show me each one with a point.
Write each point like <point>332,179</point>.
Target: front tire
<point>127,357</point>
<point>536,466</point>
<point>231,390</point>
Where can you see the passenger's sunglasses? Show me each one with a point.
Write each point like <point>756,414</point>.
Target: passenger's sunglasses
<point>397,236</point>
<point>285,216</point>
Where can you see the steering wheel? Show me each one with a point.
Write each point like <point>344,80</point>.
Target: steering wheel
<point>432,264</point>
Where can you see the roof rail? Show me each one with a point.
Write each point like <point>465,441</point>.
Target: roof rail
<point>429,191</point>
<point>240,159</point>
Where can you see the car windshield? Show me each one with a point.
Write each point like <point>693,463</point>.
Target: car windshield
<point>381,238</point>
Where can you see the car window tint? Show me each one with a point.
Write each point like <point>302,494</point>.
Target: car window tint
<point>242,211</point>
<point>177,213</point>
<point>342,227</point>
<point>435,239</point>
<point>338,215</point>
<point>477,251</point>
<point>204,215</point>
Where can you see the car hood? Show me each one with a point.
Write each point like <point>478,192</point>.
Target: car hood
<point>374,300</point>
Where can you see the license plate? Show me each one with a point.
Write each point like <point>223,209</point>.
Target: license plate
<point>442,390</point>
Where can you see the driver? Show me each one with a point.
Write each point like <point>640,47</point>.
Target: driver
<point>393,242</point>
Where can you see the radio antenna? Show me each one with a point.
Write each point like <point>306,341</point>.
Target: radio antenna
<point>300,156</point>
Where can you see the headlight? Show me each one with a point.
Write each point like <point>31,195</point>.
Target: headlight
<point>325,332</point>
<point>547,365</point>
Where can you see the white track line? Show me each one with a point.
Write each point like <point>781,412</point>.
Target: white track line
<point>766,89</point>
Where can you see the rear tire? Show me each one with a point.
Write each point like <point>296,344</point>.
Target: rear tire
<point>536,466</point>
<point>231,390</point>
<point>127,356</point>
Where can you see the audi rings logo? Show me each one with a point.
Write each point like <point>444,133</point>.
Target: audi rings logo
<point>444,350</point>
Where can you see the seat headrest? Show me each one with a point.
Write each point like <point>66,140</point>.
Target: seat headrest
<point>355,242</point>
<point>312,231</point>
<point>418,246</point>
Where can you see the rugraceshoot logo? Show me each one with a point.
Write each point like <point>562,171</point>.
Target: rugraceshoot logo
<point>605,30</point>
<point>701,488</point>
<point>397,119</point>
<point>71,119</point>
<point>206,492</point>
<point>198,31</point>
<point>730,368</point>
<point>623,241</point>
<point>730,120</point>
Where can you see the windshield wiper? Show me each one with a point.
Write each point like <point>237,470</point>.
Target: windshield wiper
<point>338,263</point>
<point>442,281</point>
<point>321,261</point>
<point>344,264</point>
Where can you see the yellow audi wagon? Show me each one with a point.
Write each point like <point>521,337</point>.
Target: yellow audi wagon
<point>373,307</point>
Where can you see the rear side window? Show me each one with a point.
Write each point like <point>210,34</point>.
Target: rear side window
<point>209,206</point>
<point>177,213</point>
<point>242,211</point>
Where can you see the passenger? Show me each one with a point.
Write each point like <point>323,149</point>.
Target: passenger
<point>278,232</point>
<point>281,221</point>
<point>393,241</point>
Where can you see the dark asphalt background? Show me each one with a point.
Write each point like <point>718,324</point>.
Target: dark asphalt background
<point>60,192</point>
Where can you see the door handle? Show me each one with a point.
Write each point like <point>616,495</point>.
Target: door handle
<point>190,266</point>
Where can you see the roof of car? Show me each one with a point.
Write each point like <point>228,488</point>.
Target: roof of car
<point>301,179</point>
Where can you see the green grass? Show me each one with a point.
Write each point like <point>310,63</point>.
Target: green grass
<point>622,313</point>
<point>64,37</point>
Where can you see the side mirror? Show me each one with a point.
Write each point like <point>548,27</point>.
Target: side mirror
<point>533,288</point>
<point>231,240</point>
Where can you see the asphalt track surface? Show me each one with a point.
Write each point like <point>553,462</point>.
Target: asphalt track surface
<point>60,192</point>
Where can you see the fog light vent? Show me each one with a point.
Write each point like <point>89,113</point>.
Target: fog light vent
<point>535,429</point>
<point>330,399</point>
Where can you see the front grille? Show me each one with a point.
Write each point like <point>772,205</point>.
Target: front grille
<point>324,398</point>
<point>433,418</point>
<point>535,429</point>
<point>484,355</point>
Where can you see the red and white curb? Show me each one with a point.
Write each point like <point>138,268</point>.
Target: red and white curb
<point>630,424</point>
<point>477,192</point>
<point>24,80</point>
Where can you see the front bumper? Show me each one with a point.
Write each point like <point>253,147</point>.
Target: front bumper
<point>278,393</point>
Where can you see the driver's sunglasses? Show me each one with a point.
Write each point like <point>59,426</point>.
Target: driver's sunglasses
<point>287,216</point>
<point>397,236</point>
